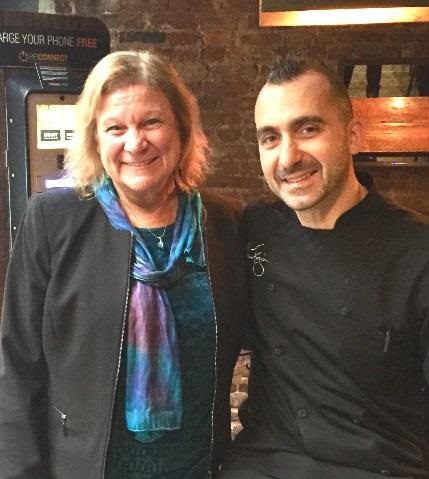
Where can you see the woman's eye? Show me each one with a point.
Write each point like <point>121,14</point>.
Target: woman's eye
<point>113,129</point>
<point>150,122</point>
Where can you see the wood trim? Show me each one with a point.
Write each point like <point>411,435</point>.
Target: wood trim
<point>394,125</point>
<point>350,16</point>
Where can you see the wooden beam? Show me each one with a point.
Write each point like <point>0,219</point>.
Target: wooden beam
<point>394,125</point>
<point>290,5</point>
<point>343,16</point>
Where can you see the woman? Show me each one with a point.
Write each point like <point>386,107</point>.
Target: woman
<point>123,303</point>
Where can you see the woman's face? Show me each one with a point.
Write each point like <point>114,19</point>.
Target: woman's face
<point>138,142</point>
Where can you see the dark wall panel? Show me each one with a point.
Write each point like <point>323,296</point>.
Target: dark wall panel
<point>20,5</point>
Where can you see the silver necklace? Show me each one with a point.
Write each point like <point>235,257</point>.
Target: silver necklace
<point>160,243</point>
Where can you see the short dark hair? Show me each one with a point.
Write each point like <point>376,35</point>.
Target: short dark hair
<point>289,68</point>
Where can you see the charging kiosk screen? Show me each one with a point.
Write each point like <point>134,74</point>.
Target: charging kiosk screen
<point>51,131</point>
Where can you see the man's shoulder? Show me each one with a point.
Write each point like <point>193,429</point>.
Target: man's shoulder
<point>265,206</point>
<point>403,216</point>
<point>221,204</point>
<point>389,211</point>
<point>413,216</point>
<point>394,224</point>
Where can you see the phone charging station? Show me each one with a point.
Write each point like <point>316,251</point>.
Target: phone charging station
<point>44,61</point>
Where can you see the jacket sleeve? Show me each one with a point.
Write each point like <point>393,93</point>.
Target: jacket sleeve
<point>23,374</point>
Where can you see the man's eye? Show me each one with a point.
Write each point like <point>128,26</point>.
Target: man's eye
<point>309,130</point>
<point>268,140</point>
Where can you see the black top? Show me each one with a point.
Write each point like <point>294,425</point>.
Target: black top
<point>340,339</point>
<point>185,452</point>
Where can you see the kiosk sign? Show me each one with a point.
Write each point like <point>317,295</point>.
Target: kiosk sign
<point>77,49</point>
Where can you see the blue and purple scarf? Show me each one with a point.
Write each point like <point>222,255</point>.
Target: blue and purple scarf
<point>154,387</point>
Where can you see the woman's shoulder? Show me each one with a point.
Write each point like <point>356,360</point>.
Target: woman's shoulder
<point>59,206</point>
<point>57,199</point>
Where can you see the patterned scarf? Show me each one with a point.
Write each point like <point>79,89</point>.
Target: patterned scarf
<point>154,387</point>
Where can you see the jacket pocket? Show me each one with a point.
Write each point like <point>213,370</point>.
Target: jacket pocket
<point>377,360</point>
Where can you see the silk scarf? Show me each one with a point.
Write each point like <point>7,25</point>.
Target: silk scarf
<point>153,397</point>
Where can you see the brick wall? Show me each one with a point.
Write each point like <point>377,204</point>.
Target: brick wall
<point>223,55</point>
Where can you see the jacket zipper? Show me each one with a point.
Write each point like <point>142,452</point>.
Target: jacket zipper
<point>63,420</point>
<point>209,472</point>
<point>119,357</point>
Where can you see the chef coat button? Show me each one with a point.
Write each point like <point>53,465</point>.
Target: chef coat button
<point>344,311</point>
<point>278,350</point>
<point>385,472</point>
<point>302,413</point>
<point>271,287</point>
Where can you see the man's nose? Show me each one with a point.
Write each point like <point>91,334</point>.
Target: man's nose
<point>289,152</point>
<point>134,140</point>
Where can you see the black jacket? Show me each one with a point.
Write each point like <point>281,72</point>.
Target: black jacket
<point>62,334</point>
<point>339,380</point>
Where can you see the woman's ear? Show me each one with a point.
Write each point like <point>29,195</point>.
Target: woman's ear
<point>96,141</point>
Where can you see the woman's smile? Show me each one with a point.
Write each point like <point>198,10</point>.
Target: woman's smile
<point>139,143</point>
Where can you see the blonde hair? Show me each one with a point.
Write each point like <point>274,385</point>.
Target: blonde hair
<point>125,68</point>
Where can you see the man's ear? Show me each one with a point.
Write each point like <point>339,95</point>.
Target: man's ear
<point>355,132</point>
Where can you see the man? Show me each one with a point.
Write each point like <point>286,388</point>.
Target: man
<point>340,288</point>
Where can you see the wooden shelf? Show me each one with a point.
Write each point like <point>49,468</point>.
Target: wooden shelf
<point>394,125</point>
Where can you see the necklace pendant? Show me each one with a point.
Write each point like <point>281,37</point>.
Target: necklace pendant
<point>160,243</point>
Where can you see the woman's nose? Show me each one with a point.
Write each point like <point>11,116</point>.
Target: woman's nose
<point>134,140</point>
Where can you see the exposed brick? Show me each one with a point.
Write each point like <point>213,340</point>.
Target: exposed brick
<point>243,387</point>
<point>237,399</point>
<point>227,134</point>
<point>198,6</point>
<point>208,22</point>
<point>191,71</point>
<point>262,39</point>
<point>168,20</point>
<point>183,38</point>
<point>242,6</point>
<point>248,183</point>
<point>236,427</point>
<point>251,21</point>
<point>218,38</point>
<point>213,54</point>
<point>142,37</point>
<point>234,414</point>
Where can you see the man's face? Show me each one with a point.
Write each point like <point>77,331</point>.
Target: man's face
<point>305,143</point>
